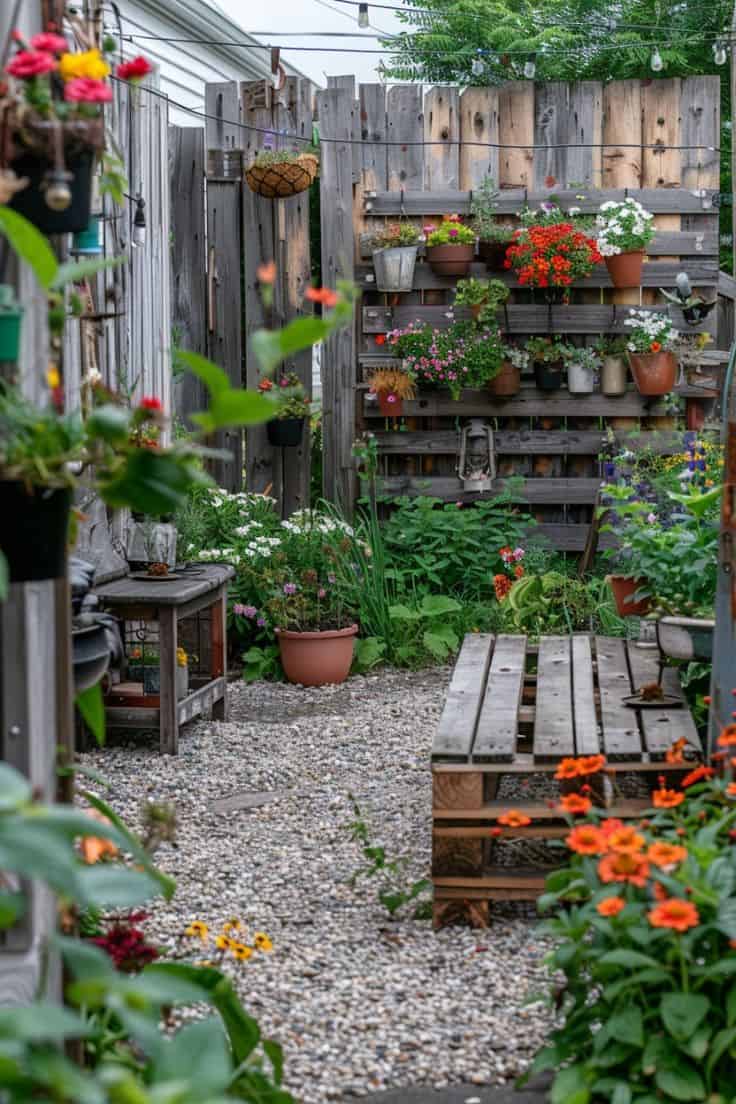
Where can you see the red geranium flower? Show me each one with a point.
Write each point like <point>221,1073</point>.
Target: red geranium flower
<point>151,402</point>
<point>135,69</point>
<point>380,339</point>
<point>31,63</point>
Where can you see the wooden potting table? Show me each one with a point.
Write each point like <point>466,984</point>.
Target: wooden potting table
<point>201,587</point>
<point>517,709</point>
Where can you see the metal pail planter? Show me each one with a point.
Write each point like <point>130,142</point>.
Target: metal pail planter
<point>395,268</point>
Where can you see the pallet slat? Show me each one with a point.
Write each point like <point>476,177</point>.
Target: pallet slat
<point>661,727</point>
<point>456,731</point>
<point>669,200</point>
<point>567,442</point>
<point>621,738</point>
<point>553,724</point>
<point>518,318</point>
<point>498,724</point>
<point>583,700</point>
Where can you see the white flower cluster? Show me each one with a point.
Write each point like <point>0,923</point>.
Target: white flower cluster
<point>623,227</point>
<point>244,530</point>
<point>582,356</point>
<point>518,357</point>
<point>302,520</point>
<point>649,328</point>
<point>219,555</point>
<point>261,547</point>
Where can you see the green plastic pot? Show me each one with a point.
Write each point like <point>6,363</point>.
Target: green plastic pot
<point>10,315</point>
<point>88,242</point>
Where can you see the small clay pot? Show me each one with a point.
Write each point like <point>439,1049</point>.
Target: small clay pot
<point>450,260</point>
<point>625,268</point>
<point>390,404</point>
<point>654,373</point>
<point>317,658</point>
<point>507,382</point>
<point>624,588</point>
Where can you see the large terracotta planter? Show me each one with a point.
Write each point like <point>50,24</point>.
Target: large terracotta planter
<point>450,260</point>
<point>493,253</point>
<point>614,374</point>
<point>654,373</point>
<point>507,382</point>
<point>317,658</point>
<point>625,268</point>
<point>623,589</point>
<point>390,404</point>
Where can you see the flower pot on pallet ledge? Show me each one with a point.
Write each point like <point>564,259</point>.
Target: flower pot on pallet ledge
<point>625,268</point>
<point>317,658</point>
<point>654,373</point>
<point>580,379</point>
<point>614,374</point>
<point>35,531</point>
<point>624,589</point>
<point>390,404</point>
<point>394,268</point>
<point>450,260</point>
<point>31,200</point>
<point>507,382</point>
<point>686,638</point>
<point>548,377</point>
<point>285,432</point>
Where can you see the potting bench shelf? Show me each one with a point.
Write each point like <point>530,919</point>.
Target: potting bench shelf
<point>202,588</point>
<point>514,709</point>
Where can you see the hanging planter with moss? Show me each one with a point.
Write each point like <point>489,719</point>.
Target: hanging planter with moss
<point>277,174</point>
<point>10,317</point>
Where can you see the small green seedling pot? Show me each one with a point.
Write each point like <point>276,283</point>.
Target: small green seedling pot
<point>10,315</point>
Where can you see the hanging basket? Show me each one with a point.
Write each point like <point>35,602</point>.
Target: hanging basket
<point>280,179</point>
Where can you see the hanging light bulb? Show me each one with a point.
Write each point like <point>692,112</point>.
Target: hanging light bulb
<point>363,20</point>
<point>530,68</point>
<point>56,190</point>
<point>477,68</point>
<point>656,61</point>
<point>720,55</point>
<point>139,222</point>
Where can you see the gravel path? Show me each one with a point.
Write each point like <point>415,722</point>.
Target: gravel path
<point>359,1002</point>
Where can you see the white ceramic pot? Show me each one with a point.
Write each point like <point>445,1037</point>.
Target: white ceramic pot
<point>182,682</point>
<point>685,638</point>
<point>580,379</point>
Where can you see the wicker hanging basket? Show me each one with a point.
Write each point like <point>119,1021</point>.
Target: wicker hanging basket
<point>276,180</point>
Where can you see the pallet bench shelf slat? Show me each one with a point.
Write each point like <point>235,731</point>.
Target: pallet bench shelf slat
<point>681,201</point>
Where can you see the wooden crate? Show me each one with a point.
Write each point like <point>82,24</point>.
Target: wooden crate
<point>501,719</point>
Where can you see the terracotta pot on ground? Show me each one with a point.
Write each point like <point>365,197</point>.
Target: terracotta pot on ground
<point>507,382</point>
<point>317,658</point>
<point>450,260</point>
<point>614,374</point>
<point>390,404</point>
<point>654,373</point>
<point>493,253</point>
<point>625,268</point>
<point>623,589</point>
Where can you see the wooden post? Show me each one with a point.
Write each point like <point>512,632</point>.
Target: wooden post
<point>218,652</point>
<point>169,721</point>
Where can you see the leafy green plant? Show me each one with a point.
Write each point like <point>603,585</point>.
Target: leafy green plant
<point>262,663</point>
<point>396,235</point>
<point>394,891</point>
<point>451,231</point>
<point>472,292</point>
<point>483,207</point>
<point>426,628</point>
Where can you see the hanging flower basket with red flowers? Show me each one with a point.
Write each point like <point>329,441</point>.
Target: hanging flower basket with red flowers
<point>553,256</point>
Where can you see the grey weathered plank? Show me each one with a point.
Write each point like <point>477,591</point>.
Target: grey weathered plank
<point>544,491</point>
<point>223,108</point>
<point>454,737</point>
<point>405,111</point>
<point>565,116</point>
<point>698,243</point>
<point>561,442</point>
<point>673,200</point>
<point>373,133</point>
<point>554,733</point>
<point>478,124</point>
<point>175,593</point>
<point>621,738</point>
<point>655,274</point>
<point>661,727</point>
<point>586,724</point>
<point>498,724</point>
<point>348,83</point>
<point>442,133</point>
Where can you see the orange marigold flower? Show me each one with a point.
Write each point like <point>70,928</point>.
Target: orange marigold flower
<point>591,764</point>
<point>624,867</point>
<point>674,753</point>
<point>567,768</point>
<point>514,819</point>
<point>575,804</point>
<point>625,840</point>
<point>667,799</point>
<point>326,296</point>
<point>610,906</point>
<point>674,913</point>
<point>266,272</point>
<point>608,827</point>
<point>697,775</point>
<point>666,855</point>
<point>728,736</point>
<point>587,839</point>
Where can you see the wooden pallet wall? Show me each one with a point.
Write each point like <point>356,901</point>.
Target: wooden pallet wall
<point>581,143</point>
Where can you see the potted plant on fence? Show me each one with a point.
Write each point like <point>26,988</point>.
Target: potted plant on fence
<point>480,296</point>
<point>450,246</point>
<point>614,369</point>
<point>395,255</point>
<point>287,428</point>
<point>548,356</point>
<point>493,237</point>
<point>277,174</point>
<point>582,365</point>
<point>464,355</point>
<point>650,343</point>
<point>508,380</point>
<point>624,231</point>
<point>391,386</point>
<point>551,256</point>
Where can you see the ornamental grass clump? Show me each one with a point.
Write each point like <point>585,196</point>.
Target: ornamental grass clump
<point>645,931</point>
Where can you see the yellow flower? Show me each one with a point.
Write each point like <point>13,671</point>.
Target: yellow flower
<point>182,659</point>
<point>262,942</point>
<point>223,943</point>
<point>232,925</point>
<point>90,64</point>
<point>198,929</point>
<point>240,951</point>
<point>53,379</point>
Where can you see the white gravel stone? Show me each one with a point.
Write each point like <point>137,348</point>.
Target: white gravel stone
<point>360,1002</point>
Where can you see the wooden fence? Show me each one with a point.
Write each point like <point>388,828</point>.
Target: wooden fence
<point>390,153</point>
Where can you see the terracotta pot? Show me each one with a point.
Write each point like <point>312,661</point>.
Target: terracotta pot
<point>475,310</point>
<point>614,374</point>
<point>450,260</point>
<point>317,658</point>
<point>654,373</point>
<point>390,404</point>
<point>694,414</point>
<point>507,382</point>
<point>493,253</point>
<point>623,589</point>
<point>625,269</point>
<point>548,376</point>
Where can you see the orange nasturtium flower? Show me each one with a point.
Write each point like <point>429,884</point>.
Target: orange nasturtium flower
<point>674,753</point>
<point>266,272</point>
<point>610,906</point>
<point>674,913</point>
<point>94,848</point>
<point>326,296</point>
<point>586,839</point>
<point>575,804</point>
<point>624,867</point>
<point>667,799</point>
<point>608,827</point>
<point>591,764</point>
<point>567,769</point>
<point>514,819</point>
<point>626,841</point>
<point>666,855</point>
<point>697,775</point>
<point>728,736</point>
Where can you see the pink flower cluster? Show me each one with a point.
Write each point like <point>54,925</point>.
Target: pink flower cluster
<point>512,555</point>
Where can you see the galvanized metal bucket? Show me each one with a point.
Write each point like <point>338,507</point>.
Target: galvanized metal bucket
<point>395,268</point>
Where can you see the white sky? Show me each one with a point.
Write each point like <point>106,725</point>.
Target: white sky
<point>316,15</point>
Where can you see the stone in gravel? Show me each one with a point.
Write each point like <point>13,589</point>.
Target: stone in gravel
<point>240,801</point>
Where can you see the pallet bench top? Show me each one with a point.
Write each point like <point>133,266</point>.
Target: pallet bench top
<point>578,692</point>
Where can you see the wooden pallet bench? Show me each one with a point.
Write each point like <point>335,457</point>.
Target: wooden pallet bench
<point>517,709</point>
